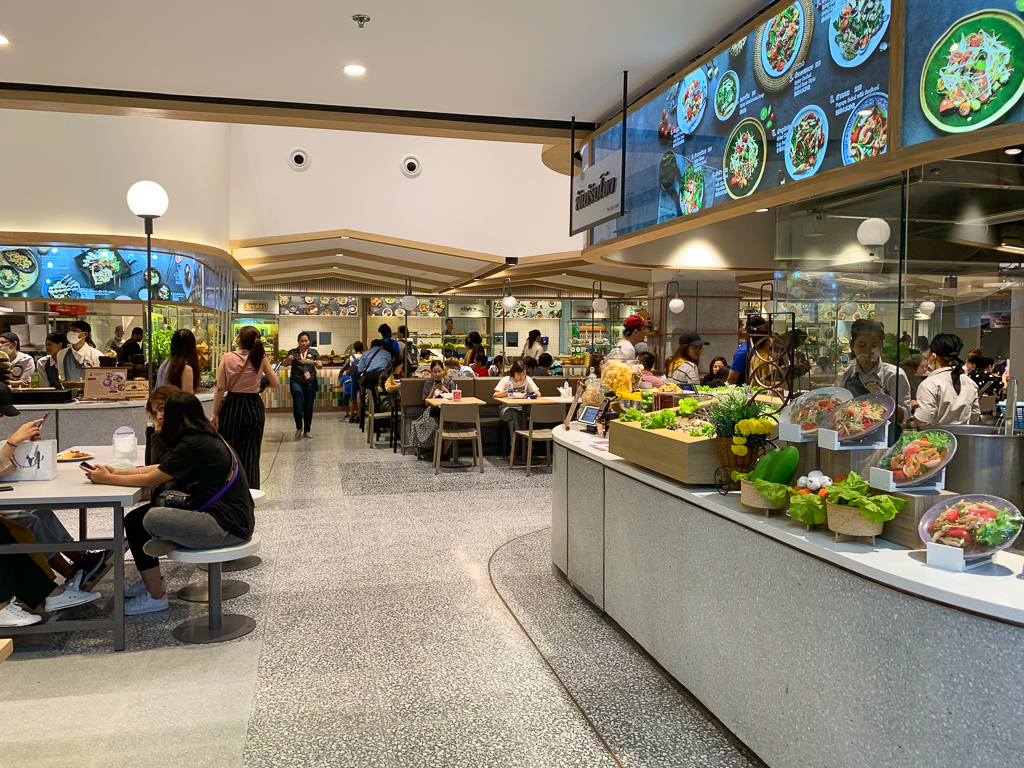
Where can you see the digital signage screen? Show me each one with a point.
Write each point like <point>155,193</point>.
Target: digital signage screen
<point>804,93</point>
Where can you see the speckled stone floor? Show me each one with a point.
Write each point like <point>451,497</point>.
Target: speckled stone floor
<point>381,641</point>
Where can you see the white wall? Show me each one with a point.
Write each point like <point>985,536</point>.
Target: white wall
<point>495,197</point>
<point>70,173</point>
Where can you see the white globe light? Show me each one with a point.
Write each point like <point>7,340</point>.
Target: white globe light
<point>927,308</point>
<point>769,307</point>
<point>409,303</point>
<point>873,232</point>
<point>509,302</point>
<point>600,304</point>
<point>147,199</point>
<point>676,306</point>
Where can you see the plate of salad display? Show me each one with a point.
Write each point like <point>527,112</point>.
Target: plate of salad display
<point>918,456</point>
<point>867,131</point>
<point>745,156</point>
<point>808,137</point>
<point>808,411</point>
<point>972,75</point>
<point>859,418</point>
<point>977,523</point>
<point>691,190</point>
<point>857,29</point>
<point>727,95</point>
<point>693,100</point>
<point>781,44</point>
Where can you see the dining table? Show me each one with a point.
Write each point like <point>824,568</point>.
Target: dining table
<point>437,402</point>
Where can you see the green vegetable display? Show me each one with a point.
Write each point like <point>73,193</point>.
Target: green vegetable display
<point>705,430</point>
<point>775,492</point>
<point>659,420</point>
<point>632,415</point>
<point>764,464</point>
<point>731,406</point>
<point>687,407</point>
<point>808,508</point>
<point>784,468</point>
<point>853,492</point>
<point>995,532</point>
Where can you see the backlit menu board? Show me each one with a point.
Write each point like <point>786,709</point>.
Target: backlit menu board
<point>964,67</point>
<point>530,310</point>
<point>804,93</point>
<point>340,306</point>
<point>77,272</point>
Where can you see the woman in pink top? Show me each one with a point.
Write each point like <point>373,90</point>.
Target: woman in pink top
<point>238,412</point>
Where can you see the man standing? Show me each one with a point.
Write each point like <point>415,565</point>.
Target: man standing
<point>114,343</point>
<point>406,352</point>
<point>634,333</point>
<point>22,365</point>
<point>756,326</point>
<point>131,347</point>
<point>79,355</point>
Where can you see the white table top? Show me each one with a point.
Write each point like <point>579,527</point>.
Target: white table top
<point>992,590</point>
<point>72,486</point>
<point>90,404</point>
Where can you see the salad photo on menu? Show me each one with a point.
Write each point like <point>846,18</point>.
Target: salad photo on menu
<point>867,132</point>
<point>807,141</point>
<point>857,28</point>
<point>745,158</point>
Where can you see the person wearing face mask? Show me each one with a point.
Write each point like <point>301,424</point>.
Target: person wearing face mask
<point>79,355</point>
<point>22,365</point>
<point>868,374</point>
<point>948,396</point>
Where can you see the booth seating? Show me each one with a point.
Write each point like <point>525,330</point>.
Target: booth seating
<point>217,627</point>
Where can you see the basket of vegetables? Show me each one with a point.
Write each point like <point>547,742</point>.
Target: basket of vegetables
<point>741,430</point>
<point>851,512</point>
<point>807,500</point>
<point>767,487</point>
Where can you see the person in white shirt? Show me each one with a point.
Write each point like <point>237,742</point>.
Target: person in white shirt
<point>682,367</point>
<point>516,382</point>
<point>22,365</point>
<point>634,333</point>
<point>79,355</point>
<point>948,396</point>
<point>868,374</point>
<point>457,370</point>
<point>533,348</point>
<point>114,342</point>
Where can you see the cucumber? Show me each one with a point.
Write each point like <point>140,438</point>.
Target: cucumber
<point>764,465</point>
<point>784,468</point>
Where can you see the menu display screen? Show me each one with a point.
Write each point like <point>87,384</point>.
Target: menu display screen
<point>802,94</point>
<point>342,306</point>
<point>67,273</point>
<point>964,67</point>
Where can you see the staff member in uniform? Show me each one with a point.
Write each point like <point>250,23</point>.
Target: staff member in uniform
<point>634,332</point>
<point>22,365</point>
<point>74,359</point>
<point>241,419</point>
<point>868,374</point>
<point>47,366</point>
<point>303,383</point>
<point>948,396</point>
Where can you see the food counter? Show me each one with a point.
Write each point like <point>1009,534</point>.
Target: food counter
<point>88,423</point>
<point>812,652</point>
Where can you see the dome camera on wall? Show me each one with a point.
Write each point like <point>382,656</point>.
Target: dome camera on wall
<point>299,159</point>
<point>411,166</point>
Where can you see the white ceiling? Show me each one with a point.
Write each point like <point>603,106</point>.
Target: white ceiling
<point>527,59</point>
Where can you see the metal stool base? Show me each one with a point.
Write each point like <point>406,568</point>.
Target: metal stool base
<point>200,591</point>
<point>241,564</point>
<point>198,630</point>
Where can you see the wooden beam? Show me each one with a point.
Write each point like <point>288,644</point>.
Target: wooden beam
<point>257,261</point>
<point>286,275</point>
<point>307,237</point>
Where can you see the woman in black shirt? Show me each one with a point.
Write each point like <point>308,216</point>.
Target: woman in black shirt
<point>202,465</point>
<point>304,362</point>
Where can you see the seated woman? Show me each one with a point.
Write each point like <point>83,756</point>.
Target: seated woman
<point>423,429</point>
<point>497,366</point>
<point>479,365</point>
<point>718,374</point>
<point>516,382</point>
<point>200,463</point>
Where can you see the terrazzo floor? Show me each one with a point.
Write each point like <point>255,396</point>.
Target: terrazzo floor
<point>382,639</point>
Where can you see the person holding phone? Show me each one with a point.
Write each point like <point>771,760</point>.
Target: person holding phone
<point>305,362</point>
<point>516,383</point>
<point>422,430</point>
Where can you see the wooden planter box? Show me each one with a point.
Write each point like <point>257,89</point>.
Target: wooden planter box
<point>902,529</point>
<point>668,452</point>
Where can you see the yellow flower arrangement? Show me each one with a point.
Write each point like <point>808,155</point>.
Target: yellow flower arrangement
<point>737,440</point>
<point>740,450</point>
<point>748,427</point>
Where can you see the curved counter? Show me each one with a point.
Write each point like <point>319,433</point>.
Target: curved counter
<point>813,653</point>
<point>87,423</point>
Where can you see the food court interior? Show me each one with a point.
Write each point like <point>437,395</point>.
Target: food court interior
<point>696,441</point>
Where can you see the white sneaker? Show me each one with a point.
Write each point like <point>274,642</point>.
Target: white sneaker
<point>13,615</point>
<point>139,588</point>
<point>307,435</point>
<point>69,598</point>
<point>145,603</point>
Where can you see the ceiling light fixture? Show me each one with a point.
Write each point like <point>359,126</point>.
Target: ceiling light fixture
<point>599,303</point>
<point>761,210</point>
<point>476,279</point>
<point>508,301</point>
<point>344,237</point>
<point>361,19</point>
<point>409,301</point>
<point>3,40</point>
<point>675,305</point>
<point>1013,150</point>
<point>355,70</point>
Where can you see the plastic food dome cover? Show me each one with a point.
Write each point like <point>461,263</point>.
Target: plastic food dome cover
<point>984,537</point>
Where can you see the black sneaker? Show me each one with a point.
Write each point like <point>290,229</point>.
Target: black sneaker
<point>93,563</point>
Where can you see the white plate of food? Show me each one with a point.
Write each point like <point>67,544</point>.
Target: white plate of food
<point>73,455</point>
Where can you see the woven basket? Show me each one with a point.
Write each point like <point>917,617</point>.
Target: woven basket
<point>849,521</point>
<point>751,497</point>
<point>729,460</point>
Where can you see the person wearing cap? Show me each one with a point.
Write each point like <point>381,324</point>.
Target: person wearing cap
<point>22,365</point>
<point>114,342</point>
<point>757,332</point>
<point>634,332</point>
<point>682,366</point>
<point>869,374</point>
<point>79,355</point>
<point>948,396</point>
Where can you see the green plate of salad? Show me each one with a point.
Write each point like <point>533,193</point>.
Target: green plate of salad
<point>977,523</point>
<point>745,156</point>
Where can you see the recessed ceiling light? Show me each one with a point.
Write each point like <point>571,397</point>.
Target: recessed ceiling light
<point>1012,150</point>
<point>333,267</point>
<point>3,40</point>
<point>761,210</point>
<point>356,70</point>
<point>344,237</point>
<point>475,279</point>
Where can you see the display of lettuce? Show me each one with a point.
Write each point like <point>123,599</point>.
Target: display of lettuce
<point>632,415</point>
<point>660,420</point>
<point>808,508</point>
<point>853,492</point>
<point>703,431</point>
<point>995,532</point>
<point>775,492</point>
<point>687,407</point>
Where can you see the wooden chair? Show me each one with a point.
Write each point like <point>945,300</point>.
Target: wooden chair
<point>459,413</point>
<point>373,416</point>
<point>539,414</point>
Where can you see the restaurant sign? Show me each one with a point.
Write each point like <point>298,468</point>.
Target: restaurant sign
<point>247,307</point>
<point>597,194</point>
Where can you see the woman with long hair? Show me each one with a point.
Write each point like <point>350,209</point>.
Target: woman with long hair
<point>682,366</point>
<point>948,396</point>
<point>497,367</point>
<point>238,411</point>
<point>719,371</point>
<point>533,348</point>
<point>181,369</point>
<point>199,460</point>
<point>474,347</point>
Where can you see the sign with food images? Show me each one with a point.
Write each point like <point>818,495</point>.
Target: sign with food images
<point>328,306</point>
<point>68,273</point>
<point>391,306</point>
<point>105,384</point>
<point>964,67</point>
<point>802,94</point>
<point>531,309</point>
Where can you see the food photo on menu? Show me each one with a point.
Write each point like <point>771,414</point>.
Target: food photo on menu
<point>805,93</point>
<point>964,67</point>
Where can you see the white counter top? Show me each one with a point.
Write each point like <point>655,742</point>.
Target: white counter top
<point>88,404</point>
<point>995,591</point>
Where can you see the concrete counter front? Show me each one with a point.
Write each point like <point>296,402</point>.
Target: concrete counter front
<point>87,423</point>
<point>813,653</point>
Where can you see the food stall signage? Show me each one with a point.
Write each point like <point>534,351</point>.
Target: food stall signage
<point>69,310</point>
<point>105,384</point>
<point>255,306</point>
<point>596,196</point>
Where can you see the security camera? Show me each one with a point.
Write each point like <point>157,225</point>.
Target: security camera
<point>299,159</point>
<point>512,260</point>
<point>411,166</point>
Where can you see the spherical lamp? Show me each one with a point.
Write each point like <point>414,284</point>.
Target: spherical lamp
<point>600,304</point>
<point>509,302</point>
<point>409,303</point>
<point>676,306</point>
<point>873,232</point>
<point>927,308</point>
<point>147,199</point>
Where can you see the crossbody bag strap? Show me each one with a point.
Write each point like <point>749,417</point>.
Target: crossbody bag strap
<point>231,478</point>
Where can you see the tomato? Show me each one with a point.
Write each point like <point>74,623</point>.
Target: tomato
<point>899,476</point>
<point>823,492</point>
<point>986,514</point>
<point>952,516</point>
<point>959,533</point>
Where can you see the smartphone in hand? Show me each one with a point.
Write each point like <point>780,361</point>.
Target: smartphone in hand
<point>87,465</point>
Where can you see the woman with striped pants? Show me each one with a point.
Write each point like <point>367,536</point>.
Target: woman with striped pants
<point>237,406</point>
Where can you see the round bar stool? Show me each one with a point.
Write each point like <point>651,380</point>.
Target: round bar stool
<point>259,498</point>
<point>217,627</point>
